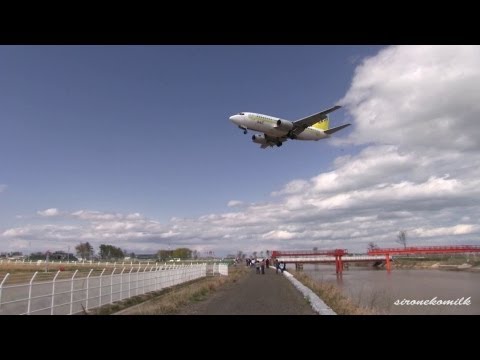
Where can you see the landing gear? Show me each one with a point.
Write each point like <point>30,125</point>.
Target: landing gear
<point>279,144</point>
<point>245,132</point>
<point>243,128</point>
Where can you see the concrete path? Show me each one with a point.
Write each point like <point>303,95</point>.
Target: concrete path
<point>255,294</point>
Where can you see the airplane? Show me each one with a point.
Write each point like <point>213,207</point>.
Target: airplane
<point>276,131</point>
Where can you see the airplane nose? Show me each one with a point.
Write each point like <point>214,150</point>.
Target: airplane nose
<point>234,119</point>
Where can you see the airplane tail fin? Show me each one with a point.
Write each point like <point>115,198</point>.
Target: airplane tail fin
<point>322,124</point>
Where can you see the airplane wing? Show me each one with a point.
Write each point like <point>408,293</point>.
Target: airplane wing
<point>300,125</point>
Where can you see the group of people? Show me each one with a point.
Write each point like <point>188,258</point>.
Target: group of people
<point>279,265</point>
<point>260,265</point>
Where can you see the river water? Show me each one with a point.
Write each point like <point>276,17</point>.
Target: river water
<point>380,290</point>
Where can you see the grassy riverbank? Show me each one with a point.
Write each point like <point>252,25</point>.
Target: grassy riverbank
<point>332,296</point>
<point>444,262</point>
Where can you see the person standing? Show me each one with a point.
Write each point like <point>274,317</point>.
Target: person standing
<point>257,266</point>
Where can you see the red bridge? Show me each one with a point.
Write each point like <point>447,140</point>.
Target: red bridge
<point>423,250</point>
<point>316,256</point>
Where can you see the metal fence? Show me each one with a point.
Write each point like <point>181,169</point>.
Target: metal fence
<point>222,269</point>
<point>87,263</point>
<point>76,294</point>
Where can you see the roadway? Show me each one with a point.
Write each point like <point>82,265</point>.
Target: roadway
<point>254,294</point>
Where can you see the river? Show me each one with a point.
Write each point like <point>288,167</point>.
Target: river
<point>381,291</point>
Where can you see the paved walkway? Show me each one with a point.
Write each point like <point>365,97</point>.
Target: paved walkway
<point>255,294</point>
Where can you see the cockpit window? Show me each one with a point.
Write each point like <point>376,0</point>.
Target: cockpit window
<point>241,114</point>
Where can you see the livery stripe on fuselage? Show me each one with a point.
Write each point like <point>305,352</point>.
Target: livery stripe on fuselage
<point>266,124</point>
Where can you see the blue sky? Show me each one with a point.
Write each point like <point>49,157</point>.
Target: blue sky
<point>144,130</point>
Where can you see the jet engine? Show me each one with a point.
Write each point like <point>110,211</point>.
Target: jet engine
<point>259,139</point>
<point>284,125</point>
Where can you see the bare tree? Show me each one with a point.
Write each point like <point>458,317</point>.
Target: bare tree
<point>372,246</point>
<point>84,250</point>
<point>195,254</point>
<point>402,238</point>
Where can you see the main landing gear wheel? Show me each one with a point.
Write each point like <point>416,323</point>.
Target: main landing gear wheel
<point>279,144</point>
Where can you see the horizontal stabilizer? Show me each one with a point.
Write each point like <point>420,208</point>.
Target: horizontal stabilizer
<point>335,129</point>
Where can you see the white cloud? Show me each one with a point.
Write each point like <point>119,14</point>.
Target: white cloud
<point>459,229</point>
<point>414,110</point>
<point>418,96</point>
<point>90,215</point>
<point>280,234</point>
<point>16,232</point>
<point>94,215</point>
<point>49,212</point>
<point>295,186</point>
<point>235,203</point>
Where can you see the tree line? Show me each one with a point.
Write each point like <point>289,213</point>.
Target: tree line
<point>106,252</point>
<point>179,253</point>
<point>110,252</point>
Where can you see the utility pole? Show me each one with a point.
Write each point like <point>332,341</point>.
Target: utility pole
<point>47,257</point>
<point>68,254</point>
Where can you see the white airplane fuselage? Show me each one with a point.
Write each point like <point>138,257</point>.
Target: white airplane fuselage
<point>268,124</point>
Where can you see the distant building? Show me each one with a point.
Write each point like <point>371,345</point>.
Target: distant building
<point>62,256</point>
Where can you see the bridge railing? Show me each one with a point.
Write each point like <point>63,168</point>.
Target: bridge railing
<point>426,250</point>
<point>332,252</point>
